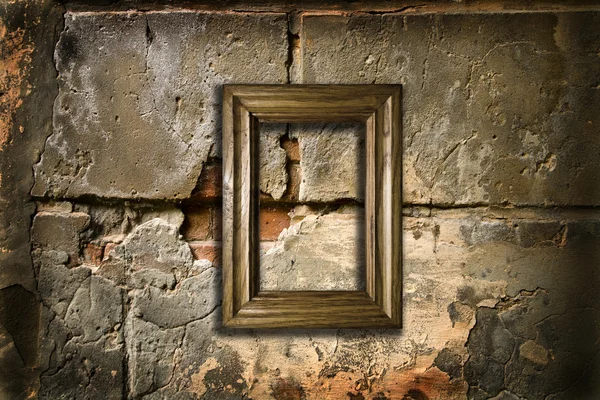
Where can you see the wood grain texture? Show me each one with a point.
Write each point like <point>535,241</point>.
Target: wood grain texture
<point>311,309</point>
<point>240,206</point>
<point>379,107</point>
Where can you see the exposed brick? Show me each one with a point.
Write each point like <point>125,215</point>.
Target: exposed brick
<point>197,224</point>
<point>291,147</point>
<point>209,186</point>
<point>209,250</point>
<point>93,253</point>
<point>272,220</point>
<point>217,223</point>
<point>206,224</point>
<point>294,179</point>
<point>265,198</point>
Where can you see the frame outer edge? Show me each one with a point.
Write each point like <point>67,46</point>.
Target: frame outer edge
<point>228,211</point>
<point>237,188</point>
<point>396,228</point>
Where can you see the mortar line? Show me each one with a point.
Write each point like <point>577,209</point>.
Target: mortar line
<point>93,199</point>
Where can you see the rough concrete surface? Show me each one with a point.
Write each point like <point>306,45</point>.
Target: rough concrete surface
<point>272,172</point>
<point>27,90</point>
<point>495,106</point>
<point>332,161</point>
<point>138,110</point>
<point>110,111</point>
<point>485,318</point>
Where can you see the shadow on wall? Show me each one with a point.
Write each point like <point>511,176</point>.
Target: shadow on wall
<point>542,342</point>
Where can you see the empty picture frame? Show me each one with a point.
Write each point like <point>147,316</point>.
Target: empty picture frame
<point>244,304</point>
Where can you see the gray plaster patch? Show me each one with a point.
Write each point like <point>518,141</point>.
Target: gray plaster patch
<point>273,175</point>
<point>57,284</point>
<point>96,309</point>
<point>156,244</point>
<point>138,110</point>
<point>100,368</point>
<point>59,231</point>
<point>332,160</point>
<point>151,353</point>
<point>193,299</point>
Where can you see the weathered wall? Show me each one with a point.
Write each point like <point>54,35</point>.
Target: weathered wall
<point>28,34</point>
<point>110,189</point>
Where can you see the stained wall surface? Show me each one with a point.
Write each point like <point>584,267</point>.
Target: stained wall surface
<point>110,199</point>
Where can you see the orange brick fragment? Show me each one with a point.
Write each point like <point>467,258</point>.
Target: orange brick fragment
<point>209,250</point>
<point>197,224</point>
<point>273,220</point>
<point>93,253</point>
<point>210,184</point>
<point>293,187</point>
<point>291,147</point>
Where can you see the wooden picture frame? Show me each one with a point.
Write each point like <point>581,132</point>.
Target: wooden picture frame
<point>244,305</point>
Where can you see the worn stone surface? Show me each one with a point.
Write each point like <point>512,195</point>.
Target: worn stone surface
<point>494,324</point>
<point>112,222</point>
<point>500,306</point>
<point>449,362</point>
<point>272,172</point>
<point>27,88</point>
<point>95,310</point>
<point>59,231</point>
<point>319,252</point>
<point>151,353</point>
<point>473,133</point>
<point>141,93</point>
<point>19,324</point>
<point>90,371</point>
<point>532,368</point>
<point>332,160</point>
<point>57,283</point>
<point>155,244</point>
<point>81,352</point>
<point>193,299</point>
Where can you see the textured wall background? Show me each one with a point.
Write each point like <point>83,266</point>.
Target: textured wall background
<point>110,178</point>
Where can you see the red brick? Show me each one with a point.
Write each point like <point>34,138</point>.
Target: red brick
<point>197,224</point>
<point>293,187</point>
<point>210,251</point>
<point>210,184</point>
<point>217,223</point>
<point>93,253</point>
<point>291,147</point>
<point>273,220</point>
